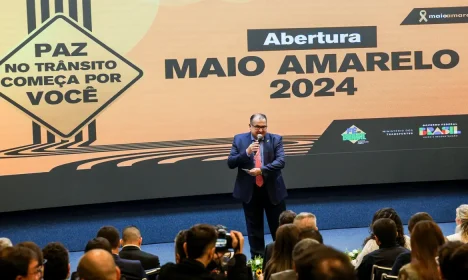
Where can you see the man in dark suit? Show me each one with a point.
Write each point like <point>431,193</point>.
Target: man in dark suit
<point>130,269</point>
<point>131,243</point>
<point>259,158</point>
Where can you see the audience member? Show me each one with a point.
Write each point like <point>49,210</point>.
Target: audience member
<point>320,262</point>
<point>312,234</point>
<point>200,247</point>
<point>4,243</point>
<point>370,243</point>
<point>131,248</point>
<point>98,243</point>
<point>33,246</point>
<point>405,258</point>
<point>179,241</point>
<point>57,266</point>
<point>128,268</point>
<point>20,263</point>
<point>98,264</point>
<point>95,243</point>
<point>286,217</point>
<point>306,220</point>
<point>445,253</point>
<point>426,238</point>
<point>287,237</point>
<point>459,264</point>
<point>385,234</point>
<point>462,225</point>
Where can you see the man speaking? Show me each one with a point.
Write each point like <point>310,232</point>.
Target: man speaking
<point>259,158</point>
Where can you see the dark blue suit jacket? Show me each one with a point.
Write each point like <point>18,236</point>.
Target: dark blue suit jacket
<point>129,268</point>
<point>273,162</point>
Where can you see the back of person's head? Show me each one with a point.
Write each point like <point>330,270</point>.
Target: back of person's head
<point>320,262</point>
<point>57,266</point>
<point>201,241</point>
<point>19,262</point>
<point>385,231</point>
<point>312,234</point>
<point>462,218</point>
<point>459,263</point>
<point>287,237</point>
<point>416,218</point>
<point>111,234</point>
<point>179,241</point>
<point>389,213</point>
<point>131,235</point>
<point>97,264</point>
<point>305,220</point>
<point>33,246</point>
<point>99,243</point>
<point>4,243</point>
<point>426,239</point>
<point>445,253</point>
<point>287,217</point>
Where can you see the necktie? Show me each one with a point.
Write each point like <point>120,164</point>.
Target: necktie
<point>258,164</point>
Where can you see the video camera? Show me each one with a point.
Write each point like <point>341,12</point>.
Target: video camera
<point>224,240</point>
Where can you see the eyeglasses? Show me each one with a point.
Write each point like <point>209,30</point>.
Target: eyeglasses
<point>258,127</point>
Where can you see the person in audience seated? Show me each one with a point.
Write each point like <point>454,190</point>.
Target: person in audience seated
<point>98,243</point>
<point>179,241</point>
<point>131,248</point>
<point>286,217</point>
<point>312,234</point>
<point>306,220</point>
<point>459,264</point>
<point>462,225</point>
<point>95,243</point>
<point>129,268</point>
<point>57,266</point>
<point>317,261</point>
<point>287,237</point>
<point>445,253</point>
<point>4,243</point>
<point>405,258</point>
<point>33,246</point>
<point>200,247</point>
<point>98,264</point>
<point>370,243</point>
<point>19,263</point>
<point>386,234</point>
<point>426,238</point>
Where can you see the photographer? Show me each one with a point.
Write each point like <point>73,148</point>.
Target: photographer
<point>200,248</point>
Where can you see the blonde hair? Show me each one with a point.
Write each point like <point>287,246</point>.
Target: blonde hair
<point>462,215</point>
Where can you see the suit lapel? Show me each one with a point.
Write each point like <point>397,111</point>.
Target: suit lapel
<point>266,149</point>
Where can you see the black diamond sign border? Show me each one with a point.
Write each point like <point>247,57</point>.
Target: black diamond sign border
<point>100,109</point>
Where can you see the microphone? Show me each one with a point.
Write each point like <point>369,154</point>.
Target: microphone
<point>259,137</point>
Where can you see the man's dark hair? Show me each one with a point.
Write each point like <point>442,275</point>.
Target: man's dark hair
<point>98,243</point>
<point>179,241</point>
<point>386,231</point>
<point>287,217</point>
<point>258,115</point>
<point>36,249</point>
<point>320,262</point>
<point>459,263</point>
<point>16,260</point>
<point>418,217</point>
<point>312,234</point>
<point>445,253</point>
<point>56,267</point>
<point>111,234</point>
<point>199,238</point>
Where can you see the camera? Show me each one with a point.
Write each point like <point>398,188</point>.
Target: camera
<point>224,240</point>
